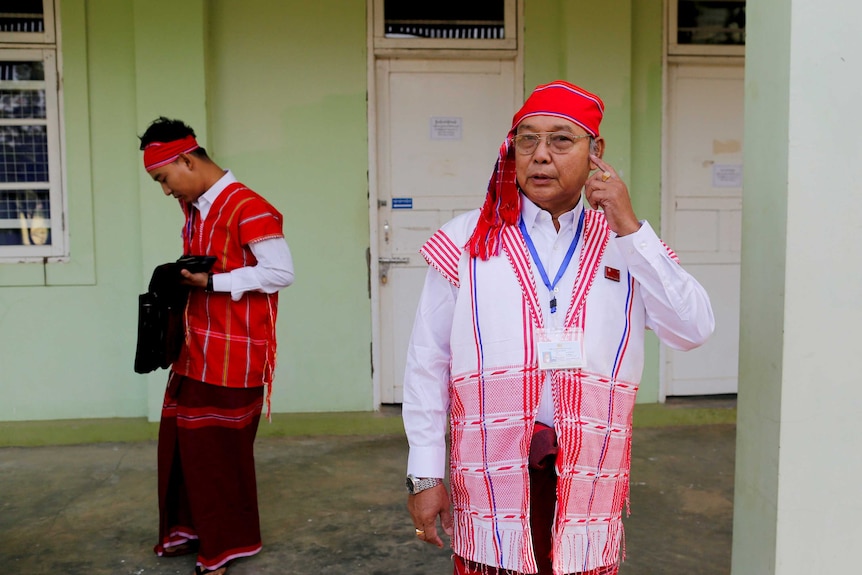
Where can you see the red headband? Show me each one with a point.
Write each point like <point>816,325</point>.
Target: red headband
<point>158,154</point>
<point>503,203</point>
<point>565,101</point>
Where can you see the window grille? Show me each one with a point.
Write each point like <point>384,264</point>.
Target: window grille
<point>707,27</point>
<point>22,22</point>
<point>468,30</point>
<point>26,21</point>
<point>488,24</point>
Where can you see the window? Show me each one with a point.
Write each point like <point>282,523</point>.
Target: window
<point>31,202</point>
<point>27,21</point>
<point>449,24</point>
<point>707,27</point>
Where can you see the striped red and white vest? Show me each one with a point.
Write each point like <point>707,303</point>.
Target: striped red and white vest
<point>495,387</point>
<point>231,343</point>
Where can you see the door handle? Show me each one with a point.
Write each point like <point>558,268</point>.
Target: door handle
<point>387,261</point>
<point>384,266</point>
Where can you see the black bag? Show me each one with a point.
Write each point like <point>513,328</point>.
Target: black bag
<point>160,320</point>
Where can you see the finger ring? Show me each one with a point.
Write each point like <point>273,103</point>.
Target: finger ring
<point>419,533</point>
<point>606,176</point>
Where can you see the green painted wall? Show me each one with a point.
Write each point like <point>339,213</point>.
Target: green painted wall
<point>276,92</point>
<point>288,116</point>
<point>66,336</point>
<point>159,40</point>
<point>614,49</point>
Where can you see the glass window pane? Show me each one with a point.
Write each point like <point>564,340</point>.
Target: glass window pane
<point>22,16</point>
<point>22,72</point>
<point>25,217</point>
<point>22,104</point>
<point>25,101</point>
<point>24,153</point>
<point>720,22</point>
<point>479,19</point>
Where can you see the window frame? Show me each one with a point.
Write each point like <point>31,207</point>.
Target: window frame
<point>47,36</point>
<point>508,42</point>
<point>44,48</point>
<point>676,49</point>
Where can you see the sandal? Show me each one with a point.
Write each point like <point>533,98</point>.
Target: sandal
<point>202,571</point>
<point>190,546</point>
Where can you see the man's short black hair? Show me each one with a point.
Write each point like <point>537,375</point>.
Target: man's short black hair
<point>167,130</point>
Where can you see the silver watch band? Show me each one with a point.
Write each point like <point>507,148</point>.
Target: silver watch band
<point>418,484</point>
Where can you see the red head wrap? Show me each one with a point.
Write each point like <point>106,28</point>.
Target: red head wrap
<point>158,154</point>
<point>503,203</point>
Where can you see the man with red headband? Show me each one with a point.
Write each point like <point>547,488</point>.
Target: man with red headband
<point>529,339</point>
<point>215,391</point>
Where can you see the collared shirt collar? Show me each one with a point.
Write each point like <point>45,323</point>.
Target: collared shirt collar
<point>530,212</point>
<point>208,198</point>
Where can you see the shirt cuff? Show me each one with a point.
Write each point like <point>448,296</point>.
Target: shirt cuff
<point>221,282</point>
<point>427,461</point>
<point>643,243</point>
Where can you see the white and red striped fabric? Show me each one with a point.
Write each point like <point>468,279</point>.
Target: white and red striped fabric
<point>495,389</point>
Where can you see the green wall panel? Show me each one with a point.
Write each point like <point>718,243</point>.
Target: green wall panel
<point>288,116</point>
<point>291,126</point>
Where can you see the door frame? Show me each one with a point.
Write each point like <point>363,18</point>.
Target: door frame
<point>373,173</point>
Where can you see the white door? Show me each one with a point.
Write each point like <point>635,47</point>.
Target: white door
<point>439,126</point>
<point>703,214</point>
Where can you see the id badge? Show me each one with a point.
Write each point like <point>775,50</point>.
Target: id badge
<point>561,348</point>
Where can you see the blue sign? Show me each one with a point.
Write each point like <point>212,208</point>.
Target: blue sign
<point>402,203</point>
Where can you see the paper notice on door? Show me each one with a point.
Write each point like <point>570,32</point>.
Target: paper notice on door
<point>727,175</point>
<point>445,128</point>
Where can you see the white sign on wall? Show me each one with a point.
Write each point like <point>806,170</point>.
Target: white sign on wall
<point>727,175</point>
<point>444,128</point>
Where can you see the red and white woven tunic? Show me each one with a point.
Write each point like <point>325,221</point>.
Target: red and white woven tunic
<point>231,343</point>
<point>495,388</point>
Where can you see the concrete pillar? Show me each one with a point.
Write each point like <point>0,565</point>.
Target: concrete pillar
<point>799,448</point>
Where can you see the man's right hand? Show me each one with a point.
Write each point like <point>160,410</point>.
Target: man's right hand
<point>424,508</point>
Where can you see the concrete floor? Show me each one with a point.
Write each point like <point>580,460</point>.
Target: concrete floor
<point>335,505</point>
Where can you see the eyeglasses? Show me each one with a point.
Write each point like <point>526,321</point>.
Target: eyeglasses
<point>557,142</point>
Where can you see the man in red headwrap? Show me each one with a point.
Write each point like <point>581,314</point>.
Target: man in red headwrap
<point>215,391</point>
<point>529,339</point>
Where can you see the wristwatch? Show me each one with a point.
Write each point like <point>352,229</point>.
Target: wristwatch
<point>418,484</point>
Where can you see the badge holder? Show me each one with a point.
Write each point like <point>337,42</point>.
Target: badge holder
<point>561,348</point>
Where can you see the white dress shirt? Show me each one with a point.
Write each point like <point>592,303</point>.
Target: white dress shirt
<point>274,269</point>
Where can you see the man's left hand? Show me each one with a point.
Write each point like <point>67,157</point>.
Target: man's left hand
<point>195,280</point>
<point>425,507</point>
<point>606,191</point>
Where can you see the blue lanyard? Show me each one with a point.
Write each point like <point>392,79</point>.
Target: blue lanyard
<point>563,266</point>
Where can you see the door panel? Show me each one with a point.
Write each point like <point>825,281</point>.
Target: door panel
<point>439,126</point>
<point>703,214</point>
